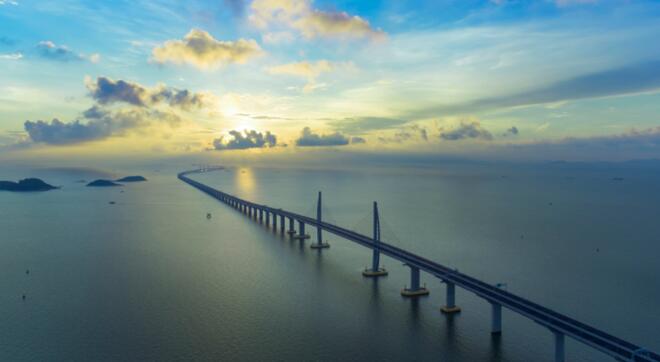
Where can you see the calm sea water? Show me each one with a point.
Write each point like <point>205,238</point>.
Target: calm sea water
<point>150,278</point>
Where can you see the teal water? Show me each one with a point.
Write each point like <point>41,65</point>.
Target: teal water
<point>150,278</point>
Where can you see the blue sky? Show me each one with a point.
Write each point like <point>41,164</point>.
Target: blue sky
<point>570,79</point>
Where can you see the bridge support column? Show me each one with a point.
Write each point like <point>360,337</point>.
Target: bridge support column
<point>274,222</point>
<point>376,270</point>
<point>282,224</point>
<point>267,218</point>
<point>292,230</point>
<point>496,318</point>
<point>450,306</point>
<point>559,347</point>
<point>301,232</point>
<point>261,215</point>
<point>415,289</point>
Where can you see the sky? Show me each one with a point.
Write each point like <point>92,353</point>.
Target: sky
<point>498,79</point>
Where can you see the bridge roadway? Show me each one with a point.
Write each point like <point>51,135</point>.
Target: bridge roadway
<point>558,323</point>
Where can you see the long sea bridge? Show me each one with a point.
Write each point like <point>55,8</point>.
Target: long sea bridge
<point>561,326</point>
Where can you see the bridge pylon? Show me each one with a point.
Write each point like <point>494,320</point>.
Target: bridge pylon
<point>376,270</point>
<point>450,307</point>
<point>319,244</point>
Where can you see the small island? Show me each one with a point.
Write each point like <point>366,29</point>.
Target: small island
<point>26,185</point>
<point>132,179</point>
<point>102,183</point>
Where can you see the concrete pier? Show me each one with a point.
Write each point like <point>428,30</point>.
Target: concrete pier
<point>559,346</point>
<point>415,290</point>
<point>496,318</point>
<point>301,232</point>
<point>450,305</point>
<point>292,230</point>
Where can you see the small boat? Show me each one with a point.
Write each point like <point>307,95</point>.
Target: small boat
<point>208,216</point>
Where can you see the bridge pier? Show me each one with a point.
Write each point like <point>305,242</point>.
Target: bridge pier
<point>267,218</point>
<point>282,224</point>
<point>301,232</point>
<point>376,270</point>
<point>292,230</point>
<point>415,289</point>
<point>560,354</point>
<point>261,215</point>
<point>496,318</point>
<point>319,244</point>
<point>450,306</point>
<point>274,222</point>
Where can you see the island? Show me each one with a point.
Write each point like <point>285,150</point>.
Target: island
<point>102,183</point>
<point>26,185</point>
<point>132,179</point>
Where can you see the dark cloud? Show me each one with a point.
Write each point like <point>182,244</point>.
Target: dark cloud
<point>309,139</point>
<point>60,133</point>
<point>411,133</point>
<point>246,140</point>
<point>633,144</point>
<point>358,140</point>
<point>466,130</point>
<point>106,91</point>
<point>618,81</point>
<point>96,124</point>
<point>48,49</point>
<point>362,125</point>
<point>513,131</point>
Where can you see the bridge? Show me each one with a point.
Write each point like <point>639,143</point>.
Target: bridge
<point>561,326</point>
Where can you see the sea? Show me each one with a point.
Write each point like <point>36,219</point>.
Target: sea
<point>139,272</point>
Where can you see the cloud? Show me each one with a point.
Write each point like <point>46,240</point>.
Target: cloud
<point>106,91</point>
<point>246,140</point>
<point>11,56</point>
<point>49,50</point>
<point>308,70</point>
<point>358,140</point>
<point>99,127</point>
<point>96,124</point>
<point>309,139</point>
<point>141,108</point>
<point>360,125</point>
<point>513,131</point>
<point>8,2</point>
<point>310,22</point>
<point>630,79</point>
<point>632,144</point>
<point>198,48</point>
<point>411,133</point>
<point>466,130</point>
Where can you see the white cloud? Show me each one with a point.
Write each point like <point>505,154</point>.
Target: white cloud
<point>310,22</point>
<point>11,56</point>
<point>202,50</point>
<point>310,71</point>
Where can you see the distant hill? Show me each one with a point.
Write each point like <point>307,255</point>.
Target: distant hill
<point>26,185</point>
<point>102,183</point>
<point>132,179</point>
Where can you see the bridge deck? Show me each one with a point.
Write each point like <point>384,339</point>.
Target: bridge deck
<point>557,322</point>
